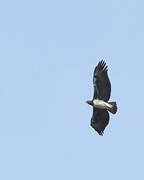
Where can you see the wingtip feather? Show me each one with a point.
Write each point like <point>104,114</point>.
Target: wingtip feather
<point>102,66</point>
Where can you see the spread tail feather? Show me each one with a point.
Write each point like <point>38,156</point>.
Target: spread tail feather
<point>113,109</point>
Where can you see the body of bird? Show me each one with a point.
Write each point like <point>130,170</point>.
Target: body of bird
<point>101,106</point>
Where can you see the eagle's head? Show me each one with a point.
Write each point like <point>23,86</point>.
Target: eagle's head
<point>90,102</point>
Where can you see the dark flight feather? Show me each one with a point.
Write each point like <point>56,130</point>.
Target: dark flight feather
<point>102,86</point>
<point>99,120</point>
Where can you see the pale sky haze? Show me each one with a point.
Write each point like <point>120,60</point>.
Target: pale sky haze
<point>48,51</point>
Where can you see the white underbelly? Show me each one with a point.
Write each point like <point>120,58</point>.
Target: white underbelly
<point>101,104</point>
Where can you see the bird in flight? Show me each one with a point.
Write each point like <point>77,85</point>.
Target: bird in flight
<point>101,106</point>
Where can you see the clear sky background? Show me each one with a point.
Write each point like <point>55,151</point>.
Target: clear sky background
<point>48,51</point>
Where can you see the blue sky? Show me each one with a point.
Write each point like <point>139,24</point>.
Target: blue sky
<point>48,50</point>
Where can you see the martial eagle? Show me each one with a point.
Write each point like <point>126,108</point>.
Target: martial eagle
<point>101,106</point>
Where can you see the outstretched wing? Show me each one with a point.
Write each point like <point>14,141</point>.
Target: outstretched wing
<point>99,120</point>
<point>102,86</point>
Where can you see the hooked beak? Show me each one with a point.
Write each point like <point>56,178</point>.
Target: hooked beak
<point>89,102</point>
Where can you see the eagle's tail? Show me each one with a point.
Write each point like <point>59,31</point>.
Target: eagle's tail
<point>113,108</point>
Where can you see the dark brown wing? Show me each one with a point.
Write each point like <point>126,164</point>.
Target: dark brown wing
<point>102,86</point>
<point>99,120</point>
